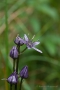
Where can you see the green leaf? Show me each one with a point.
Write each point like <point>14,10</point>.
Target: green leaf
<point>51,76</point>
<point>35,24</point>
<point>51,47</point>
<point>48,10</point>
<point>40,58</point>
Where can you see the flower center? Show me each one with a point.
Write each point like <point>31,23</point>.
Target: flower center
<point>30,44</point>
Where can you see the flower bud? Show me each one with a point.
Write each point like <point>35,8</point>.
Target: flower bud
<point>24,72</point>
<point>13,78</point>
<point>14,53</point>
<point>19,41</point>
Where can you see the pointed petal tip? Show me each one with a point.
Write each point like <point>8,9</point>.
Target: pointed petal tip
<point>37,50</point>
<point>41,52</point>
<point>4,79</point>
<point>26,38</point>
<point>36,43</point>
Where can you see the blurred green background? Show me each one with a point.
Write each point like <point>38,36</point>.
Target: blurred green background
<point>34,17</point>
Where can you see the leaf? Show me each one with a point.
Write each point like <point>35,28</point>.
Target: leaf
<point>35,24</point>
<point>48,10</point>
<point>40,58</point>
<point>51,47</point>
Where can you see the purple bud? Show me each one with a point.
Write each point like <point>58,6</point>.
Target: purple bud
<point>14,53</point>
<point>24,72</point>
<point>19,41</point>
<point>13,78</point>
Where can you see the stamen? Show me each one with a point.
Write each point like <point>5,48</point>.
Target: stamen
<point>33,37</point>
<point>17,35</point>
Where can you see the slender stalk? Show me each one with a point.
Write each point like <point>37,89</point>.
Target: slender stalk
<point>6,30</point>
<point>23,50</point>
<point>13,65</point>
<point>10,86</point>
<point>21,83</point>
<point>15,86</point>
<point>18,59</point>
<point>17,63</point>
<point>6,37</point>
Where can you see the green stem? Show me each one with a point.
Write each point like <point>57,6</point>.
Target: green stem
<point>17,63</point>
<point>23,50</point>
<point>6,22</point>
<point>10,86</point>
<point>6,36</point>
<point>13,65</point>
<point>18,59</point>
<point>16,86</point>
<point>21,83</point>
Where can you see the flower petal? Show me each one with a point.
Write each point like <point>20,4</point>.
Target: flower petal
<point>37,49</point>
<point>13,78</point>
<point>24,72</point>
<point>14,52</point>
<point>36,43</point>
<point>26,38</point>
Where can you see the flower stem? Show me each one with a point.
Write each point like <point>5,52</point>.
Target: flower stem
<point>16,86</point>
<point>18,59</point>
<point>17,63</point>
<point>23,50</point>
<point>13,65</point>
<point>10,86</point>
<point>21,84</point>
<point>6,39</point>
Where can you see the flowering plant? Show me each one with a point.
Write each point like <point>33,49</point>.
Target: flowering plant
<point>15,55</point>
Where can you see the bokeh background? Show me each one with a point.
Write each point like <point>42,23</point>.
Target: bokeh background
<point>34,17</point>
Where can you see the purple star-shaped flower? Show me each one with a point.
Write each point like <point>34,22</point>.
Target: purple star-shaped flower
<point>19,41</point>
<point>14,53</point>
<point>31,44</point>
<point>24,72</point>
